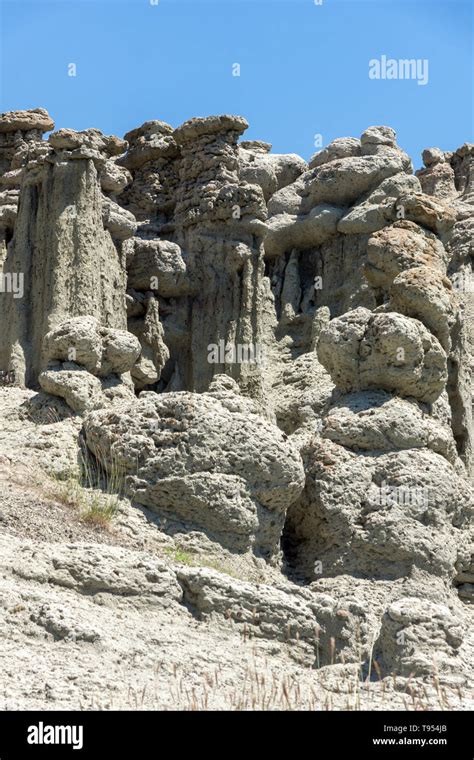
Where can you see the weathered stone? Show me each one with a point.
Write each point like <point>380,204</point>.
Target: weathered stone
<point>302,232</point>
<point>114,178</point>
<point>89,139</point>
<point>255,146</point>
<point>372,213</point>
<point>100,350</point>
<point>378,421</point>
<point>154,351</point>
<point>433,156</point>
<point>60,210</point>
<point>268,170</point>
<point>24,121</point>
<point>361,350</point>
<point>438,179</point>
<point>234,477</point>
<point>378,515</point>
<point>399,247</point>
<point>80,390</point>
<point>301,341</point>
<point>433,214</point>
<point>158,265</point>
<point>341,147</point>
<point>340,182</point>
<point>426,295</point>
<point>420,636</point>
<point>118,221</point>
<point>147,143</point>
<point>381,141</point>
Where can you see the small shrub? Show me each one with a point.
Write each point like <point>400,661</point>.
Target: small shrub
<point>91,489</point>
<point>179,555</point>
<point>100,513</point>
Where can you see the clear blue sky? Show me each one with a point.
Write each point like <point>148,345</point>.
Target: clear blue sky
<point>304,67</point>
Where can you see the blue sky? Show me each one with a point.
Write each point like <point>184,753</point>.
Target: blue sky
<point>303,67</point>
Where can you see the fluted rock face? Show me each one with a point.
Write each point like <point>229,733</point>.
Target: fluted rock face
<point>63,247</point>
<point>197,253</point>
<point>20,137</point>
<point>219,227</point>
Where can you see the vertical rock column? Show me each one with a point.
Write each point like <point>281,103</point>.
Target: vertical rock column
<point>386,494</point>
<point>20,134</point>
<point>219,224</point>
<point>64,247</point>
<point>154,265</point>
<point>152,159</point>
<point>450,177</point>
<point>20,141</point>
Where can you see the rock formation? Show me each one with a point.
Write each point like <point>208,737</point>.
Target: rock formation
<point>235,475</point>
<point>66,245</point>
<point>275,356</point>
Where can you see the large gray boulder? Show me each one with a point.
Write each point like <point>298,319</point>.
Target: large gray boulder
<point>196,462</point>
<point>157,265</point>
<point>80,390</point>
<point>401,246</point>
<point>427,295</point>
<point>340,182</point>
<point>373,211</point>
<point>101,350</point>
<point>271,171</point>
<point>434,214</point>
<point>362,350</point>
<point>378,421</point>
<point>379,514</point>
<point>341,147</point>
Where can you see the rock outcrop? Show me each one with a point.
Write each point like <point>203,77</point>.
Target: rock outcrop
<point>197,461</point>
<point>380,500</point>
<point>275,358</point>
<point>66,246</point>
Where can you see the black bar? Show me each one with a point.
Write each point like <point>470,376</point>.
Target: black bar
<point>154,734</point>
